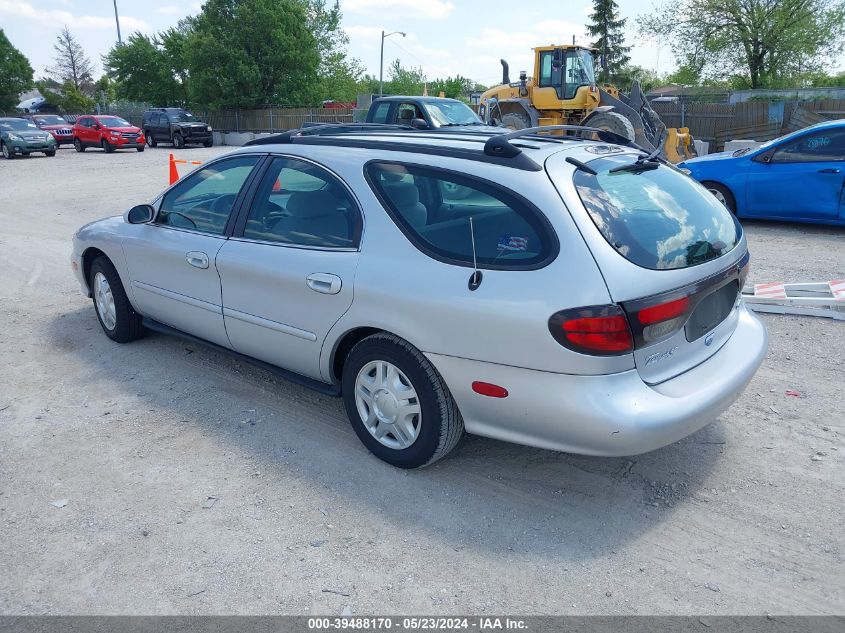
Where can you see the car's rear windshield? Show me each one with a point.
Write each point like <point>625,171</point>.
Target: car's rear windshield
<point>656,218</point>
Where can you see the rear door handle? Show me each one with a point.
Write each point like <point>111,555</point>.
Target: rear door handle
<point>324,282</point>
<point>829,170</point>
<point>197,259</point>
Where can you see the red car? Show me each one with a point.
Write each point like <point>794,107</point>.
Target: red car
<point>55,125</point>
<point>106,131</point>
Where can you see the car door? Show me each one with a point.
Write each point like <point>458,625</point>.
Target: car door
<point>83,130</point>
<point>163,127</point>
<point>287,272</point>
<point>803,178</point>
<point>171,261</point>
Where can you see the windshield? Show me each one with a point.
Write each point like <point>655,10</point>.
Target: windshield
<point>184,117</point>
<point>114,121</point>
<point>53,119</point>
<point>658,218</point>
<point>445,113</point>
<point>17,124</point>
<point>579,72</point>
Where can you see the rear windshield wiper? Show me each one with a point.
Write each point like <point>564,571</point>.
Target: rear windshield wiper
<point>643,163</point>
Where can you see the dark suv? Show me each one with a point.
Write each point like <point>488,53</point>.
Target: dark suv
<point>177,126</point>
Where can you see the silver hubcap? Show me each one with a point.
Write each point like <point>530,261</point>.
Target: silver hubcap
<point>5,150</point>
<point>388,405</point>
<point>719,196</point>
<point>105,301</point>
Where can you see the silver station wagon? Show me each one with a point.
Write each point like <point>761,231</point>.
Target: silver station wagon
<point>562,291</point>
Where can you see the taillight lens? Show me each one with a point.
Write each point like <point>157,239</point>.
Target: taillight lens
<point>597,330</point>
<point>663,311</point>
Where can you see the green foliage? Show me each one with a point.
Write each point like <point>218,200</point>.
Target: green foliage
<point>15,74</point>
<point>751,43</point>
<point>648,78</point>
<point>66,97</point>
<point>245,53</point>
<point>105,90</point>
<point>608,28</point>
<point>144,70</point>
<point>337,75</point>
<point>453,87</point>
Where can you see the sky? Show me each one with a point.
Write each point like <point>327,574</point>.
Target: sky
<point>443,37</point>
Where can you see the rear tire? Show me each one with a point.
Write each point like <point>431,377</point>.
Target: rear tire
<point>516,121</point>
<point>385,378</point>
<point>722,194</point>
<point>118,319</point>
<point>150,140</point>
<point>178,141</point>
<point>78,146</point>
<point>612,122</point>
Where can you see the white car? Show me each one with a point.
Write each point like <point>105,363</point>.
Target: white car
<point>553,291</point>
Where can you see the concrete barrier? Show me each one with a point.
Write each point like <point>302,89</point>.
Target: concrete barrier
<point>732,146</point>
<point>702,148</point>
<point>237,138</point>
<point>218,138</point>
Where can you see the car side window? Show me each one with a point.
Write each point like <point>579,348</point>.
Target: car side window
<point>203,201</point>
<point>822,146</point>
<point>301,203</point>
<point>380,115</point>
<point>407,112</point>
<point>433,208</point>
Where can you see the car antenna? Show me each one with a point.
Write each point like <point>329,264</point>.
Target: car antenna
<point>475,278</point>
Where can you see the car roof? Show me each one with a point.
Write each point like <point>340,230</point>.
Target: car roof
<point>524,149</point>
<point>415,98</point>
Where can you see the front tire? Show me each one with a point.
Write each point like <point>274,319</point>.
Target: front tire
<point>50,153</point>
<point>516,121</point>
<point>78,146</point>
<point>612,122</point>
<point>178,141</point>
<point>722,194</point>
<point>108,148</point>
<point>116,315</point>
<point>208,143</point>
<point>7,153</point>
<point>398,404</point>
<point>140,149</point>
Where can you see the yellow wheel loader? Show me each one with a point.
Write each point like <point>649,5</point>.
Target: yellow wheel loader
<point>563,91</point>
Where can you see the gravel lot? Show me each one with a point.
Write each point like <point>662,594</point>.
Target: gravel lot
<point>192,483</point>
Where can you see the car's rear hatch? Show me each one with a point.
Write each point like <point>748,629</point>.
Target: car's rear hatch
<point>672,257</point>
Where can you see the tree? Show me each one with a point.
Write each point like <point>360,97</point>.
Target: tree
<point>608,28</point>
<point>246,53</point>
<point>72,65</point>
<point>766,42</point>
<point>143,68</point>
<point>15,74</point>
<point>337,74</point>
<point>452,87</point>
<point>66,97</point>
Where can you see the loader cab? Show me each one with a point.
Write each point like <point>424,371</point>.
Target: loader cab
<point>560,72</point>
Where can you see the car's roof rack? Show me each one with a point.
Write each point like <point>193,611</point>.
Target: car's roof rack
<point>327,129</point>
<point>500,144</point>
<point>498,148</point>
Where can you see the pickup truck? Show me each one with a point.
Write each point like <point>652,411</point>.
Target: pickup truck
<point>425,113</point>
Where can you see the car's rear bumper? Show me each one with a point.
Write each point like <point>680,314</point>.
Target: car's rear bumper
<point>610,415</point>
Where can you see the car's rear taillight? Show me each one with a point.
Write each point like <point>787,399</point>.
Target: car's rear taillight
<point>662,319</point>
<point>596,330</point>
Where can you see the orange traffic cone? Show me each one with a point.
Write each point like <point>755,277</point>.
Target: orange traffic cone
<point>174,174</point>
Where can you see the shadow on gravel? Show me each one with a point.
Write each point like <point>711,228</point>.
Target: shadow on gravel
<point>486,495</point>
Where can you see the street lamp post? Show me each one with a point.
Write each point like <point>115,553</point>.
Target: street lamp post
<point>117,21</point>
<point>381,62</point>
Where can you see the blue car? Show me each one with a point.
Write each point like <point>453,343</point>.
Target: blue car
<point>798,177</point>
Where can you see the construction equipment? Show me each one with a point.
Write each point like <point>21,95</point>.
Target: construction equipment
<point>563,91</point>
<point>823,299</point>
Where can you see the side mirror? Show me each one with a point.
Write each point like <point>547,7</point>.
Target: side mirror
<point>419,124</point>
<point>96,126</point>
<point>140,214</point>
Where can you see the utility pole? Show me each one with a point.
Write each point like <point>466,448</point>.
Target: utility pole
<point>117,21</point>
<point>381,61</point>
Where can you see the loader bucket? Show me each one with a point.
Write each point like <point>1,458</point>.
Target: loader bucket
<point>679,145</point>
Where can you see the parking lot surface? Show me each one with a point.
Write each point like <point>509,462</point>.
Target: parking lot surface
<point>162,477</point>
